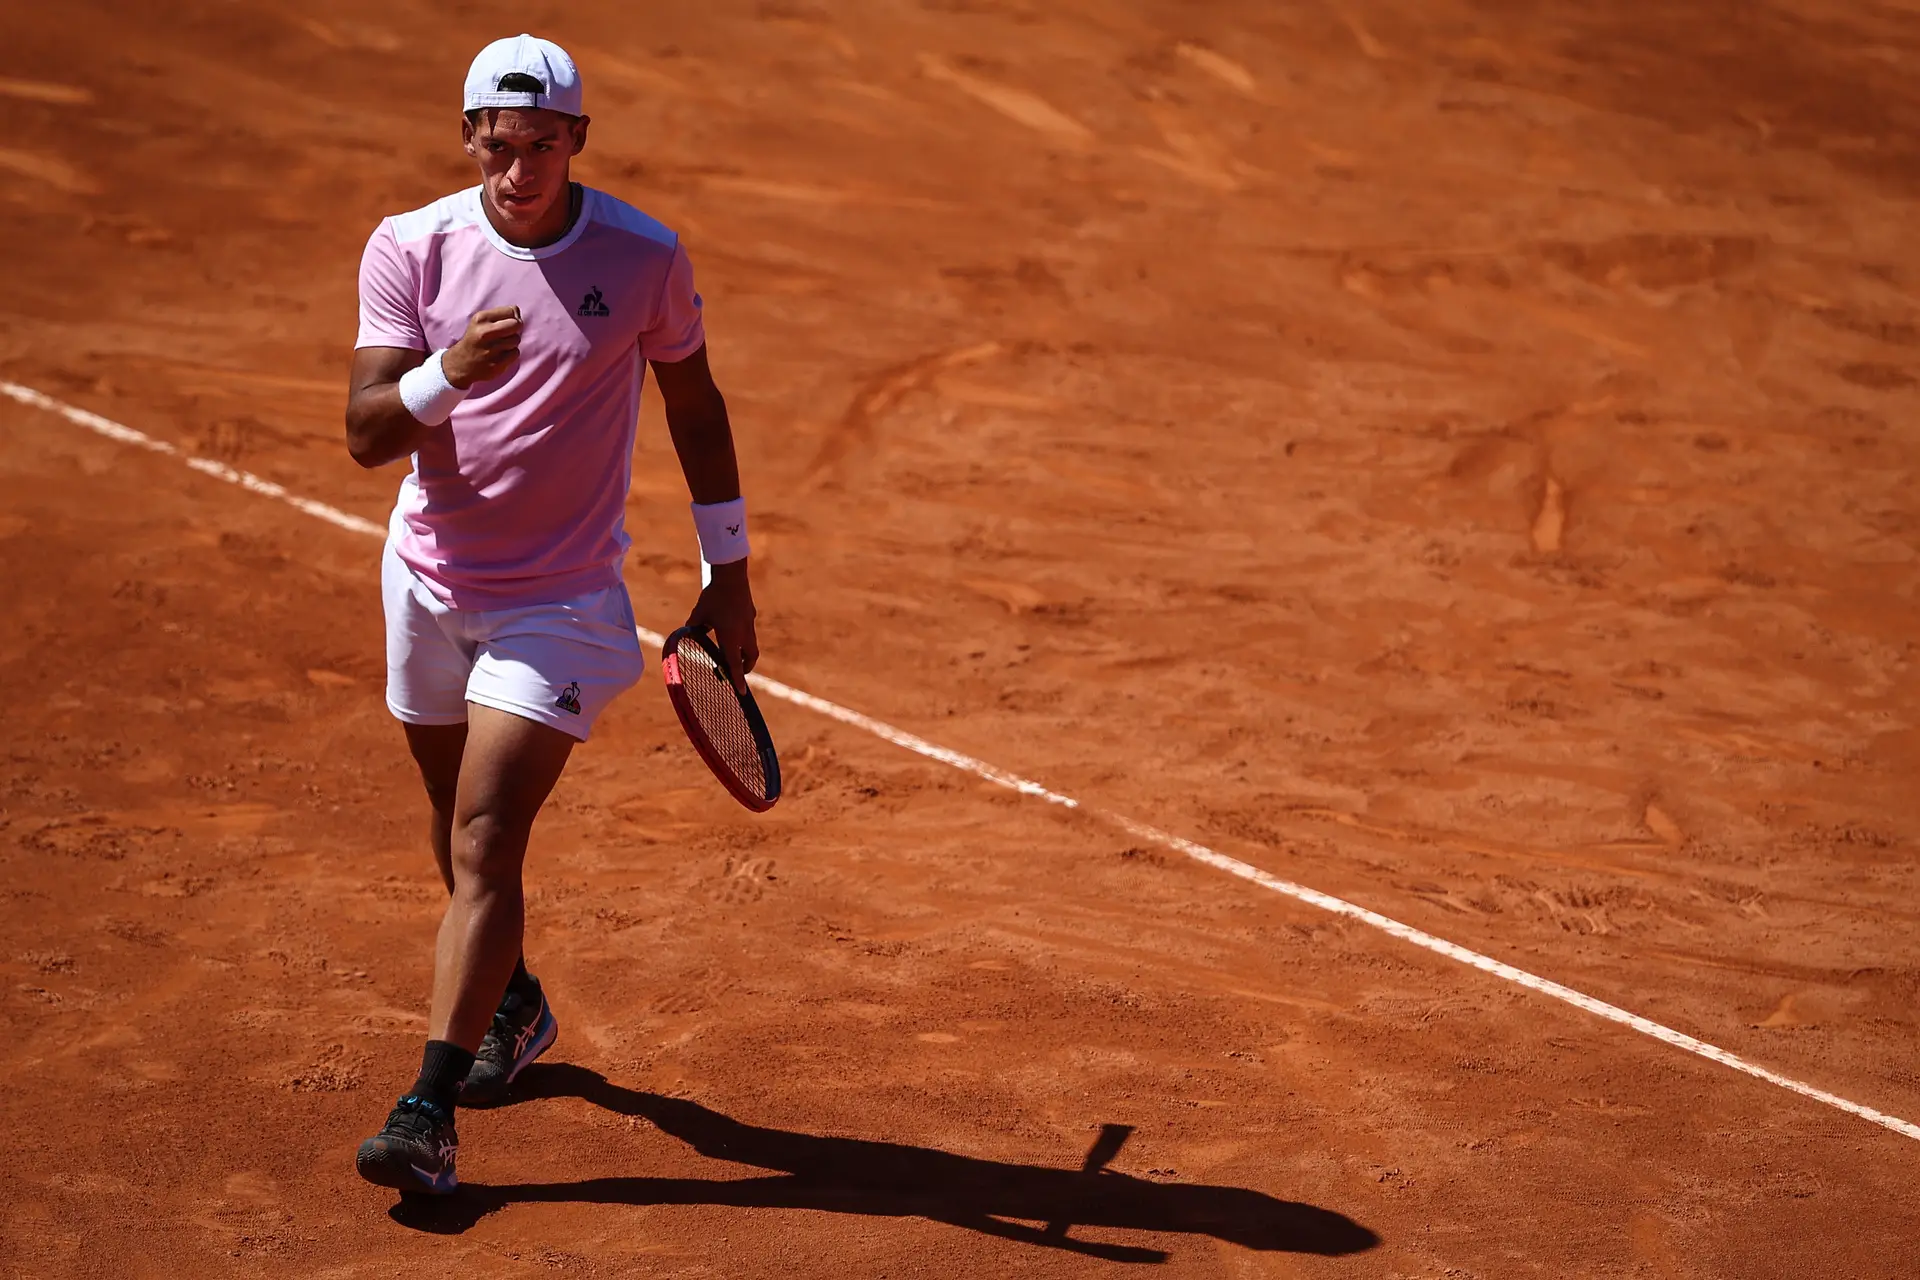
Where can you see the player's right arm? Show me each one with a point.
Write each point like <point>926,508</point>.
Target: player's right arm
<point>380,426</point>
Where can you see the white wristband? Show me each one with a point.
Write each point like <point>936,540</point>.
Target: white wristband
<point>428,395</point>
<point>722,527</point>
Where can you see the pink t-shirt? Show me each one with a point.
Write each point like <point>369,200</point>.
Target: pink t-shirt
<point>520,498</point>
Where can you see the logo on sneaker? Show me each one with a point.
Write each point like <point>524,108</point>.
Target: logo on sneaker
<point>441,1179</point>
<point>569,699</point>
<point>593,304</point>
<point>526,1034</point>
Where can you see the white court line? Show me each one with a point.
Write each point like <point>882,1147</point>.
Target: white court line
<point>206,466</point>
<point>979,768</point>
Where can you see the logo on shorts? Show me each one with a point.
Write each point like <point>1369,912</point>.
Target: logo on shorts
<point>569,699</point>
<point>593,304</point>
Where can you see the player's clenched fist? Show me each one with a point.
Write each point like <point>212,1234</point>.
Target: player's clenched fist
<point>490,344</point>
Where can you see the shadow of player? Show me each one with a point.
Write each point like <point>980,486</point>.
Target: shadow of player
<point>888,1179</point>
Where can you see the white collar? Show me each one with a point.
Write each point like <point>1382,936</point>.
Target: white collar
<point>588,197</point>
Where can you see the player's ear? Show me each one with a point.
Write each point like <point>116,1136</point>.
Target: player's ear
<point>580,133</point>
<point>468,134</point>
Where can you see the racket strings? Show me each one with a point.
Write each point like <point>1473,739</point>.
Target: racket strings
<point>716,709</point>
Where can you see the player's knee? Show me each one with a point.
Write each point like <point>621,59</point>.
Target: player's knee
<point>488,846</point>
<point>440,795</point>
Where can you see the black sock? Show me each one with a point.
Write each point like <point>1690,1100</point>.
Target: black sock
<point>443,1071</point>
<point>521,983</point>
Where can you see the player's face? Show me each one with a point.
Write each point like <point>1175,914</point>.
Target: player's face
<point>523,156</point>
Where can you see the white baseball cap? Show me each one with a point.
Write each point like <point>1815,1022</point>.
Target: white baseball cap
<point>546,62</point>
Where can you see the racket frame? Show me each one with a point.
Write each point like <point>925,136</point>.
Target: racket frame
<point>756,723</point>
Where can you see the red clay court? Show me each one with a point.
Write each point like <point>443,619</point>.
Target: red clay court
<point>1458,457</point>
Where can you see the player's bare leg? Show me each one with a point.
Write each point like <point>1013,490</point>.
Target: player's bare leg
<point>437,749</point>
<point>504,770</point>
<point>523,1026</point>
<point>506,773</point>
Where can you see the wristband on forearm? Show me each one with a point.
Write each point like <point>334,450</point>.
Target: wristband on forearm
<point>722,527</point>
<point>428,395</point>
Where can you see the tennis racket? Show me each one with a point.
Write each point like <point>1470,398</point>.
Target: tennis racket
<point>722,722</point>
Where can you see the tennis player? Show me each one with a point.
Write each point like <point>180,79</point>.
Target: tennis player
<point>502,331</point>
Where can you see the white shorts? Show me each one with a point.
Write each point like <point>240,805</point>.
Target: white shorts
<point>556,664</point>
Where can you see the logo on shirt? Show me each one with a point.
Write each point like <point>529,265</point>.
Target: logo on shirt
<point>593,304</point>
<point>569,699</point>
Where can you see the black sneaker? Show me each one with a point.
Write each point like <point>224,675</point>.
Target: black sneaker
<point>523,1029</point>
<point>415,1151</point>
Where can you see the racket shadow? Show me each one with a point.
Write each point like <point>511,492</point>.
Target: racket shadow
<point>888,1179</point>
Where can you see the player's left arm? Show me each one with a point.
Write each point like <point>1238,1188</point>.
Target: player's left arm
<point>703,438</point>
